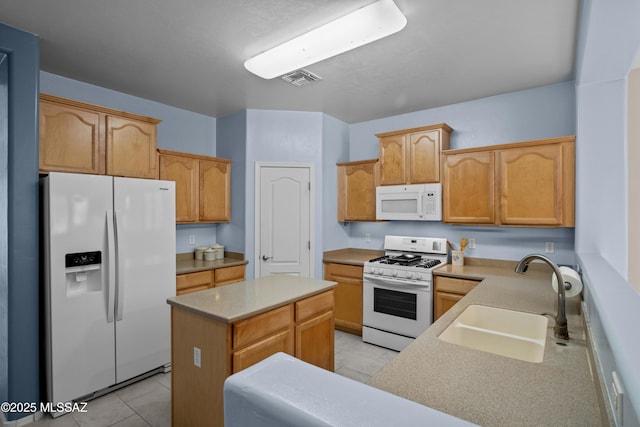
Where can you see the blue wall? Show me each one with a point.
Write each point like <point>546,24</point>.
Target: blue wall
<point>608,44</point>
<point>543,112</point>
<point>232,144</point>
<point>19,283</point>
<point>281,137</point>
<point>180,130</point>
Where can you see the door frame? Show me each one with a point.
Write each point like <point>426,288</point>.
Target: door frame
<point>256,213</point>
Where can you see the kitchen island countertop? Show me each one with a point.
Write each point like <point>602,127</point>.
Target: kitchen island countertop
<point>488,389</point>
<point>241,300</point>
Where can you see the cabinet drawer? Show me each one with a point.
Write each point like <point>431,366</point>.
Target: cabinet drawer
<point>252,329</point>
<point>339,271</point>
<point>459,286</point>
<point>226,275</point>
<point>314,305</point>
<point>282,341</point>
<point>186,281</point>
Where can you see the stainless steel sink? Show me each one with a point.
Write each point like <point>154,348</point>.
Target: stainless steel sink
<point>509,333</point>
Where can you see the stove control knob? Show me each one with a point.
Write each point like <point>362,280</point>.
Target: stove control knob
<point>394,273</point>
<point>419,276</point>
<point>410,275</point>
<point>378,271</point>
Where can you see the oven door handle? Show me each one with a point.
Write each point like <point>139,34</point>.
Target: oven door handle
<point>400,284</point>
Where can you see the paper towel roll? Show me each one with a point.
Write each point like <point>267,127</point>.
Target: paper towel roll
<point>571,277</point>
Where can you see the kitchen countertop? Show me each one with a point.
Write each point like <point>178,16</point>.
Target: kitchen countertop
<point>351,256</point>
<point>185,263</point>
<point>238,301</point>
<point>488,389</point>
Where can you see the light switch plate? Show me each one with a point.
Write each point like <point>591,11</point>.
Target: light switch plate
<point>196,357</point>
<point>549,247</point>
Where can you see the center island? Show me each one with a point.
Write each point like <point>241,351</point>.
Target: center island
<point>220,331</point>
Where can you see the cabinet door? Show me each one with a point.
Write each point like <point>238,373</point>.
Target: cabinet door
<point>131,148</point>
<point>424,156</point>
<point>393,156</point>
<point>215,190</point>
<point>70,139</point>
<point>184,171</point>
<point>443,301</point>
<point>192,282</point>
<point>280,342</point>
<point>228,275</point>
<point>531,185</point>
<point>357,191</point>
<point>468,188</point>
<point>348,296</point>
<point>315,341</point>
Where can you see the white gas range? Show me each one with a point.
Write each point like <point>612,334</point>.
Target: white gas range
<point>397,290</point>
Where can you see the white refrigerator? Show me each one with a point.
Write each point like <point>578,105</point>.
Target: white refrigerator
<point>109,267</point>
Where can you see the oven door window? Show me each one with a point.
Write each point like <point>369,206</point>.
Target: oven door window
<point>395,303</point>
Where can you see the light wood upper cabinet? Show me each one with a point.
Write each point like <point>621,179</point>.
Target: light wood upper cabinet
<point>184,171</point>
<point>357,190</point>
<point>203,186</point>
<point>526,184</point>
<point>215,190</point>
<point>531,185</point>
<point>468,188</point>
<point>70,139</point>
<point>131,148</point>
<point>84,138</point>
<point>412,156</point>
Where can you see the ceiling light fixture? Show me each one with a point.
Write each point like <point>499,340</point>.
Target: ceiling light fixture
<point>365,25</point>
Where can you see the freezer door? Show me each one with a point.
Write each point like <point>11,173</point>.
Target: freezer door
<point>146,271</point>
<point>79,340</point>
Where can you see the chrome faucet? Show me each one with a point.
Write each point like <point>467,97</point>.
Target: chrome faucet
<point>560,330</point>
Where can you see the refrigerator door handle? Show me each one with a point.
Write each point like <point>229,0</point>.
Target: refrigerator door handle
<point>120,269</point>
<point>111,272</point>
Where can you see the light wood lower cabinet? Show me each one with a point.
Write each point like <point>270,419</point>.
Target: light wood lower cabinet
<point>228,275</point>
<point>448,291</point>
<point>314,336</point>
<point>261,336</point>
<point>193,282</point>
<point>198,281</point>
<point>83,138</point>
<point>303,328</point>
<point>348,295</point>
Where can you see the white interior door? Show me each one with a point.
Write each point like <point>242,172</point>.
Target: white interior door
<point>283,220</point>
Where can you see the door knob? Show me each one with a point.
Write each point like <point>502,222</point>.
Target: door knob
<point>266,258</point>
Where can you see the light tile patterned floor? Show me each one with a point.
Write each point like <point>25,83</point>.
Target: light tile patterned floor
<point>148,402</point>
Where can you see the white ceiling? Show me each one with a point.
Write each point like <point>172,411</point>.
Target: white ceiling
<point>190,53</point>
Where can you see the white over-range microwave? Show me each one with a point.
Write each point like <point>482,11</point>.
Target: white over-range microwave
<point>412,202</point>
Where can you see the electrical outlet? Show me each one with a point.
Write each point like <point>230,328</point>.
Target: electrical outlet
<point>618,396</point>
<point>549,247</point>
<point>192,239</point>
<point>196,357</point>
<point>367,237</point>
<point>472,243</point>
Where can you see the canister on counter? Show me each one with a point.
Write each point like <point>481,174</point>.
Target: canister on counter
<point>199,253</point>
<point>219,249</point>
<point>209,254</point>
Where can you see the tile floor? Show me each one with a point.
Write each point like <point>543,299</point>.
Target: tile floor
<point>147,403</point>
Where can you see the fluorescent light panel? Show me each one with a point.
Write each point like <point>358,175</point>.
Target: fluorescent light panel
<point>365,25</point>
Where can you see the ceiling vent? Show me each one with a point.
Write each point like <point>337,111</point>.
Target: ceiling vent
<point>301,77</point>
